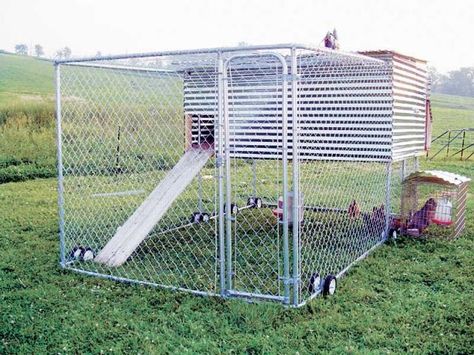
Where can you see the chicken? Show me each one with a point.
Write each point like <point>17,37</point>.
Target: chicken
<point>423,218</point>
<point>353,210</point>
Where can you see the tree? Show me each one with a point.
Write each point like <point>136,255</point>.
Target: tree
<point>67,52</point>
<point>460,82</point>
<point>98,54</point>
<point>39,50</point>
<point>456,82</point>
<point>21,49</point>
<point>63,53</point>
<point>437,79</point>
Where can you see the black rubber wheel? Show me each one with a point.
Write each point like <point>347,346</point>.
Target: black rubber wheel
<point>258,202</point>
<point>251,202</point>
<point>234,209</point>
<point>330,285</point>
<point>88,254</point>
<point>77,252</point>
<point>205,217</point>
<point>196,217</point>
<point>314,283</point>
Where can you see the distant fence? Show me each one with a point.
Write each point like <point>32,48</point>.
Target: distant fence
<point>453,143</point>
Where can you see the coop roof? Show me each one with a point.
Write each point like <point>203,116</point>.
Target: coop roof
<point>438,177</point>
<point>385,52</point>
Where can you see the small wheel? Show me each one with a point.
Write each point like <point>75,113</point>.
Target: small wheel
<point>258,202</point>
<point>251,202</point>
<point>314,283</point>
<point>88,254</point>
<point>330,285</point>
<point>234,209</point>
<point>77,252</point>
<point>205,217</point>
<point>196,217</point>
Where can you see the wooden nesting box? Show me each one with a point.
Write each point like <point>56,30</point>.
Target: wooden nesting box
<point>434,204</point>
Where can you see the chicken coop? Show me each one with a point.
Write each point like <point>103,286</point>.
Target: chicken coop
<point>261,173</point>
<point>433,204</point>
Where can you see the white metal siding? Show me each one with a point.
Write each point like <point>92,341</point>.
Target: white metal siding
<point>344,108</point>
<point>410,86</point>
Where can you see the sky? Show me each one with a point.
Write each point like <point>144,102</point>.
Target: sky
<point>439,31</point>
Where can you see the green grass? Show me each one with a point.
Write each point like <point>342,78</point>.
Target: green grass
<point>27,76</point>
<point>27,143</point>
<point>412,296</point>
<point>408,296</point>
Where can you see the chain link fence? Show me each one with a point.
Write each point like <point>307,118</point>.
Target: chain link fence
<point>246,172</point>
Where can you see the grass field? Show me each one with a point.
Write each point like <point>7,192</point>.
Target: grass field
<point>408,296</point>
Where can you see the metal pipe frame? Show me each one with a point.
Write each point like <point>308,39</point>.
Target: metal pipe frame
<point>145,283</point>
<point>388,197</point>
<point>220,162</point>
<point>62,247</point>
<point>217,50</point>
<point>286,261</point>
<point>296,197</point>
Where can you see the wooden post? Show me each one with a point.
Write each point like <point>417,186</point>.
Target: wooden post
<point>188,132</point>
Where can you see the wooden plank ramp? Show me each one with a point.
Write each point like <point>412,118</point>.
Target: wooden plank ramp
<point>129,236</point>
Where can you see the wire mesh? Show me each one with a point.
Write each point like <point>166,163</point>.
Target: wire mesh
<point>432,206</point>
<point>123,132</point>
<point>295,179</point>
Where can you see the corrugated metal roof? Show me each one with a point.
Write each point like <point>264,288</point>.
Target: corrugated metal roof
<point>444,176</point>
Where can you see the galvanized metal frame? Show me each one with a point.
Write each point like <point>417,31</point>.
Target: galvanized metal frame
<point>224,57</point>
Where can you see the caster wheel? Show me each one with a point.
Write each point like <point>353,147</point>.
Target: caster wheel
<point>77,252</point>
<point>251,202</point>
<point>205,217</point>
<point>258,202</point>
<point>314,283</point>
<point>330,285</point>
<point>196,217</point>
<point>234,209</point>
<point>88,254</point>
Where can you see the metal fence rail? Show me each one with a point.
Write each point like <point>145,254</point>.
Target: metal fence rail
<point>457,140</point>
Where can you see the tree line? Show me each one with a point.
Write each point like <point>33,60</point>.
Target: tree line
<point>62,53</point>
<point>456,82</point>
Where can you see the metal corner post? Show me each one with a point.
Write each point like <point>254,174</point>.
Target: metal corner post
<point>220,162</point>
<point>388,198</point>
<point>286,256</point>
<point>57,70</point>
<point>296,199</point>
<point>228,190</point>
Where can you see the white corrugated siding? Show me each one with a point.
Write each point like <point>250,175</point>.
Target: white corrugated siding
<point>410,90</point>
<point>344,107</point>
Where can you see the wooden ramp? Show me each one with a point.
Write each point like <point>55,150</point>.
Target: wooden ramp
<point>129,236</point>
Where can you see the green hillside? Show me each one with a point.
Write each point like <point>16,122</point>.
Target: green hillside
<point>25,78</point>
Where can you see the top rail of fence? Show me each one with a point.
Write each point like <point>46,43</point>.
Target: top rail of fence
<point>211,51</point>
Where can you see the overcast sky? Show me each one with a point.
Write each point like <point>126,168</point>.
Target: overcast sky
<point>440,31</point>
